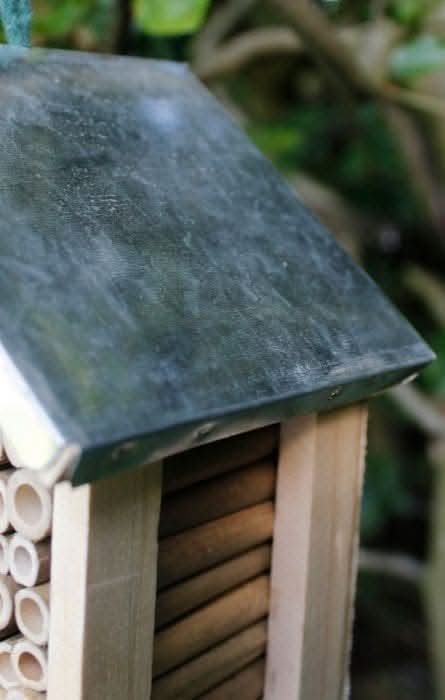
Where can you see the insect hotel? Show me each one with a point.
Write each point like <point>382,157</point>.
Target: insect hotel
<point>185,359</point>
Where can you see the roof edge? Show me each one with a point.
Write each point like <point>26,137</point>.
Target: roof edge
<point>29,437</point>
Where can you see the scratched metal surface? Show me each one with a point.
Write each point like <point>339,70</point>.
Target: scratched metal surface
<point>160,285</point>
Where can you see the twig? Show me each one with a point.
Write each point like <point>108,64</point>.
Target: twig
<point>395,565</point>
<point>219,25</point>
<point>253,44</point>
<point>420,409</point>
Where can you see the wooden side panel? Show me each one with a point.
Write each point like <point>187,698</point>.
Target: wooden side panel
<point>315,555</point>
<point>103,587</point>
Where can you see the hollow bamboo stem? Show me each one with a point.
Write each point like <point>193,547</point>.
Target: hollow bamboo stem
<point>30,664</point>
<point>8,589</point>
<point>217,458</point>
<point>29,563</point>
<point>5,475</point>
<point>175,602</point>
<point>8,675</point>
<point>217,497</point>
<point>29,505</point>
<point>203,547</point>
<point>23,694</point>
<point>32,613</point>
<point>210,625</point>
<point>197,676</point>
<point>247,684</point>
<point>5,541</point>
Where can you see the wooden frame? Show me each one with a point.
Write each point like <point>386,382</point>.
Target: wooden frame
<point>103,581</point>
<point>314,560</point>
<point>103,577</point>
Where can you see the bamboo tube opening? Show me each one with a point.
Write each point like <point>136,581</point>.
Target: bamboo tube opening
<point>29,563</point>
<point>4,517</point>
<point>30,665</point>
<point>22,563</point>
<point>32,615</point>
<point>29,504</point>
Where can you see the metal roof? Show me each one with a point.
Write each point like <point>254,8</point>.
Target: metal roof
<point>160,283</point>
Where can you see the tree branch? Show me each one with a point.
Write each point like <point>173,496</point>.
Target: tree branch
<point>219,25</point>
<point>238,52</point>
<point>397,565</point>
<point>420,409</point>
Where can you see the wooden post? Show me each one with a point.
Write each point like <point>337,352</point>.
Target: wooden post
<point>103,587</point>
<point>315,555</point>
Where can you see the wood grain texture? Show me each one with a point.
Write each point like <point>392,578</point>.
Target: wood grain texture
<point>203,547</point>
<point>200,674</point>
<point>211,625</point>
<point>314,557</point>
<point>218,497</point>
<point>218,457</point>
<point>188,595</point>
<point>103,587</point>
<point>247,684</point>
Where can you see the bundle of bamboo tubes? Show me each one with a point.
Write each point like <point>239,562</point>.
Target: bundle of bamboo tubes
<point>215,531</point>
<point>25,550</point>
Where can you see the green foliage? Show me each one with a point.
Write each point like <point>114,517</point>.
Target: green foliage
<point>386,494</point>
<point>409,11</point>
<point>352,151</point>
<point>432,378</point>
<point>416,58</point>
<point>170,17</point>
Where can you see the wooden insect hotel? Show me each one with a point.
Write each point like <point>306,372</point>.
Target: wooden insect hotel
<point>185,358</point>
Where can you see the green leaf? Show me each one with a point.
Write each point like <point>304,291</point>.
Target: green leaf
<point>409,11</point>
<point>170,17</point>
<point>414,59</point>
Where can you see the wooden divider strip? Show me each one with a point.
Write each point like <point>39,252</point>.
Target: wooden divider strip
<point>103,586</point>
<point>247,684</point>
<point>203,547</point>
<point>217,497</point>
<point>199,675</point>
<point>195,592</point>
<point>210,625</point>
<point>218,457</point>
<point>314,555</point>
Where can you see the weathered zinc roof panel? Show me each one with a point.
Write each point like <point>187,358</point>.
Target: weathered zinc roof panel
<point>160,283</point>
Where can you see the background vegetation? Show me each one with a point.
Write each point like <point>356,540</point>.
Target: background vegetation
<point>347,97</point>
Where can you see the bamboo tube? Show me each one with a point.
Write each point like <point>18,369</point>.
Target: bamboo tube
<point>5,475</point>
<point>29,505</point>
<point>200,548</point>
<point>8,675</point>
<point>23,694</point>
<point>32,613</point>
<point>5,541</point>
<point>247,684</point>
<point>210,625</point>
<point>197,676</point>
<point>219,457</point>
<point>215,498</point>
<point>30,664</point>
<point>195,592</point>
<point>8,589</point>
<point>29,563</point>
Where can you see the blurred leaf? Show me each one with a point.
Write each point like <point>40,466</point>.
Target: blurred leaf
<point>279,141</point>
<point>56,18</point>
<point>409,11</point>
<point>385,494</point>
<point>170,17</point>
<point>432,379</point>
<point>419,56</point>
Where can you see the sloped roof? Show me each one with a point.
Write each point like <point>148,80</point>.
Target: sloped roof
<point>160,284</point>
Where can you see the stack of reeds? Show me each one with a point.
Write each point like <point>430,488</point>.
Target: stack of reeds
<point>216,526</point>
<point>25,532</point>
